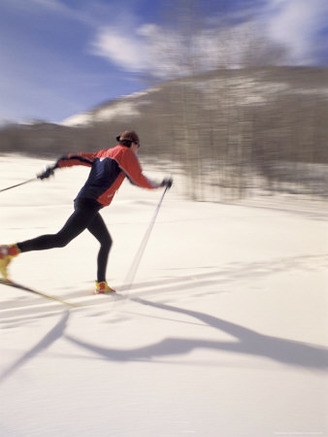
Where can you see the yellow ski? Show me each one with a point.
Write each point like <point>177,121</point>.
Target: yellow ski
<point>38,293</point>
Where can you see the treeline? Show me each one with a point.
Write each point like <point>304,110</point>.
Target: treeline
<point>232,129</point>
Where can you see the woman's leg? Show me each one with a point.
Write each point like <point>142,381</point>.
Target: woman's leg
<point>99,230</point>
<point>76,224</point>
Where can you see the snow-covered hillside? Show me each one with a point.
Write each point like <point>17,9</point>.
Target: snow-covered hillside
<point>126,106</point>
<point>223,332</point>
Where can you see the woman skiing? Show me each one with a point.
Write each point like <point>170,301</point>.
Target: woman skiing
<point>109,167</point>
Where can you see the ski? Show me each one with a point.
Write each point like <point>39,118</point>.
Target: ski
<point>38,293</point>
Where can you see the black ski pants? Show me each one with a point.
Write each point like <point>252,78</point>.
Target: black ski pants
<point>85,216</point>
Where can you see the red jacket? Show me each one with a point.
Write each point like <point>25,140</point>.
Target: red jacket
<point>108,170</point>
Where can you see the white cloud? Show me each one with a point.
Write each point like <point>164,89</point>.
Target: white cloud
<point>163,52</point>
<point>122,48</point>
<point>166,53</point>
<point>297,24</point>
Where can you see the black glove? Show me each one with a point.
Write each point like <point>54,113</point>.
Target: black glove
<point>48,171</point>
<point>167,182</point>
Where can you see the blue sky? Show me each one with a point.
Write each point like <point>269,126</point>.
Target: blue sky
<point>62,57</point>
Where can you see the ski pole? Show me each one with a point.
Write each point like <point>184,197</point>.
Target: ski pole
<point>137,259</point>
<point>18,185</point>
<point>47,172</point>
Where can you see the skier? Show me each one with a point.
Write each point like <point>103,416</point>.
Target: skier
<point>109,167</point>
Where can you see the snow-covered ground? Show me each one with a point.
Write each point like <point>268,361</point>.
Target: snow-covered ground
<point>223,332</point>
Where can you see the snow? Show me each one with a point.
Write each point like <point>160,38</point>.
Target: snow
<point>126,106</point>
<point>120,109</point>
<point>223,332</point>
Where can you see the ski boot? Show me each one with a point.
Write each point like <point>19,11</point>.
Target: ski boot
<point>103,287</point>
<point>7,253</point>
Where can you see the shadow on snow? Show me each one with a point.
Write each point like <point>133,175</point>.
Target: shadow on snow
<point>247,342</point>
